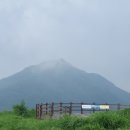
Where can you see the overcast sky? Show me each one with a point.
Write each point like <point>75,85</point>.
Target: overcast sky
<point>93,35</point>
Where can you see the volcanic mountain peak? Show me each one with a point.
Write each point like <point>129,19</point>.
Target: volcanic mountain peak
<point>59,65</point>
<point>49,65</point>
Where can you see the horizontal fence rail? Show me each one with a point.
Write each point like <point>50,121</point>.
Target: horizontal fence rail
<point>57,109</point>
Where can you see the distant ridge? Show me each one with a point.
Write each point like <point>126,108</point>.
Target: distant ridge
<point>56,81</point>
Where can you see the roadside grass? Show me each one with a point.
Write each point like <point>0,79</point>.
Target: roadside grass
<point>118,120</point>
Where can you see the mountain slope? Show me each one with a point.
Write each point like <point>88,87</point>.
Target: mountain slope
<point>58,81</point>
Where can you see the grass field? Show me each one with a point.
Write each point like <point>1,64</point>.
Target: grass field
<point>119,120</point>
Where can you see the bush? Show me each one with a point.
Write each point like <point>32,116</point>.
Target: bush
<point>110,120</point>
<point>20,109</point>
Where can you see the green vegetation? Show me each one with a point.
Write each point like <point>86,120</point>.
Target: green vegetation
<point>21,118</point>
<point>22,110</point>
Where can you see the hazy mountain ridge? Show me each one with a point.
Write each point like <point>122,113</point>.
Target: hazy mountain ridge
<point>58,81</point>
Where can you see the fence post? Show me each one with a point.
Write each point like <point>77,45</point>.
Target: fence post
<point>70,109</point>
<point>81,108</point>
<point>46,108</point>
<point>106,104</point>
<point>40,111</point>
<point>52,109</point>
<point>60,107</point>
<point>93,108</point>
<point>36,111</point>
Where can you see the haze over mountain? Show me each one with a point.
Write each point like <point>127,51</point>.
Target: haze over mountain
<point>56,81</point>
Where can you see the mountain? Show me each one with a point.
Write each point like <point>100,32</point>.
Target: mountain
<point>56,81</point>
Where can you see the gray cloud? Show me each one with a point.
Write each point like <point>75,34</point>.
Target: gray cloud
<point>92,35</point>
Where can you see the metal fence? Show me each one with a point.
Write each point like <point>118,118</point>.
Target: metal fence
<point>57,109</point>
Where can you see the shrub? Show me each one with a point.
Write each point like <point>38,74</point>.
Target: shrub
<point>20,109</point>
<point>110,120</point>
